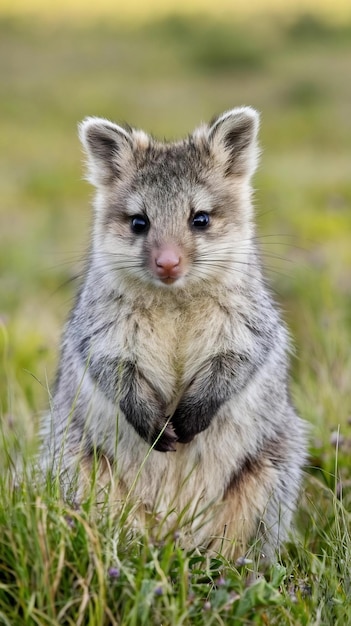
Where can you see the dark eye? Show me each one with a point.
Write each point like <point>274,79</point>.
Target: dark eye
<point>139,224</point>
<point>201,220</point>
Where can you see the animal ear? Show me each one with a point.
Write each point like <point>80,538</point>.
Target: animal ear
<point>109,148</point>
<point>233,141</point>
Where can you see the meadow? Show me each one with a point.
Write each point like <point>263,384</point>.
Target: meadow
<point>65,565</point>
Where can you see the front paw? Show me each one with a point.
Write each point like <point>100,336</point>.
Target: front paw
<point>167,441</point>
<point>192,416</point>
<point>184,426</point>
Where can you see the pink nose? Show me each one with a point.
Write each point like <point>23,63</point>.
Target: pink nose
<point>167,263</point>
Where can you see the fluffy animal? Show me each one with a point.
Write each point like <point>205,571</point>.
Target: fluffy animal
<point>174,363</point>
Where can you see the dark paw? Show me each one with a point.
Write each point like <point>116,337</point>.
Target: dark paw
<point>167,441</point>
<point>186,438</point>
<point>184,430</point>
<point>191,418</point>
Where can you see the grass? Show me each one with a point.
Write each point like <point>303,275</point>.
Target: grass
<point>66,566</point>
<point>63,565</point>
<point>140,11</point>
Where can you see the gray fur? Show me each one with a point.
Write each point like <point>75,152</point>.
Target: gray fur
<point>197,367</point>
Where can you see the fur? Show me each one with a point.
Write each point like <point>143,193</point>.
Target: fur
<point>195,366</point>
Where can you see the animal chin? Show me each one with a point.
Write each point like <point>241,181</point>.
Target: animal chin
<point>168,280</point>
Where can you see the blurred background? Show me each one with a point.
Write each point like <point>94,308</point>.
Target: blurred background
<point>165,67</point>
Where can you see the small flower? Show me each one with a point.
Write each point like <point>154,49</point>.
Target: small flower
<point>220,581</point>
<point>114,572</point>
<point>207,605</point>
<point>233,597</point>
<point>158,591</point>
<point>242,560</point>
<point>191,597</point>
<point>336,439</point>
<point>69,521</point>
<point>9,418</point>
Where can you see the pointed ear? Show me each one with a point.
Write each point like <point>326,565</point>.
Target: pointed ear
<point>232,140</point>
<point>109,149</point>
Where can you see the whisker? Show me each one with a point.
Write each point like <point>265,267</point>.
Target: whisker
<point>68,281</point>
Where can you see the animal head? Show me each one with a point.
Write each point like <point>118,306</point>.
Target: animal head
<point>173,215</point>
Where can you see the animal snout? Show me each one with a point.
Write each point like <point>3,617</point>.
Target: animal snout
<point>167,263</point>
